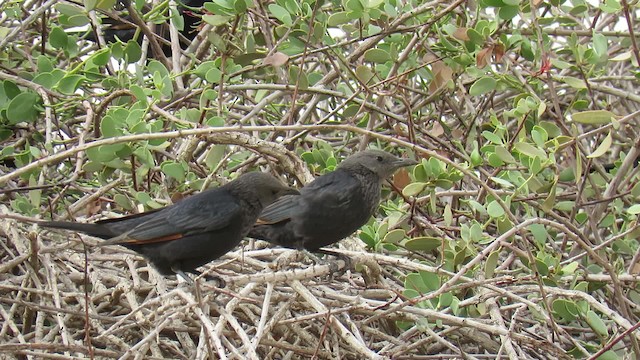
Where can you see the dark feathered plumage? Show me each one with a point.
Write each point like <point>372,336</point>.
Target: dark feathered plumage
<point>331,207</point>
<point>194,231</point>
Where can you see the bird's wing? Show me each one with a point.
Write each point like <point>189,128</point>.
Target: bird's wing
<point>329,191</point>
<point>332,191</point>
<point>193,215</point>
<point>280,210</point>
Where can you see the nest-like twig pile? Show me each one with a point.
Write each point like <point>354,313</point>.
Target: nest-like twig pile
<point>275,305</point>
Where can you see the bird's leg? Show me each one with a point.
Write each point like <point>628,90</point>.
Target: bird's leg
<point>347,260</point>
<point>286,258</point>
<point>182,274</point>
<point>219,282</point>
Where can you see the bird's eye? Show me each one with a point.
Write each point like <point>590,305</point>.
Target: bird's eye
<point>379,158</point>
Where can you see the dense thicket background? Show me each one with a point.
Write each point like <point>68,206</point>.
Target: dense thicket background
<point>516,237</point>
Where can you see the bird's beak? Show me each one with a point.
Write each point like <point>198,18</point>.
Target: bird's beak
<point>405,162</point>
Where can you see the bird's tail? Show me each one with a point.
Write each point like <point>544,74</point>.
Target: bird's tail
<point>90,229</point>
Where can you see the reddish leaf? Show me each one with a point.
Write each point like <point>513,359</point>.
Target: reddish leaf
<point>401,178</point>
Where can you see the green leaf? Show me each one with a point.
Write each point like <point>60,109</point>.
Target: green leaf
<point>144,156</point>
<point>634,209</point>
<point>104,153</point>
<point>600,44</point>
<point>58,38</point>
<point>377,56</point>
<point>565,205</point>
<point>492,137</point>
<point>424,243</point>
<point>394,236</point>
<point>413,189</point>
<point>76,20</point>
<point>45,64</point>
<point>364,74</point>
<point>281,14</point>
<point>69,84</point>
<point>217,20</point>
<point>482,86</point>
<point>23,107</point>
<point>104,4</point>
<point>476,159</point>
<point>570,268</point>
<point>566,309</point>
<point>508,12</point>
<point>110,127</point>
<point>174,170</point>
<point>220,7</point>
<point>529,150</point>
<point>608,355</point>
<point>596,323</point>
<point>504,155</point>
<point>575,82</point>
<point>213,76</point>
<point>491,264</point>
<point>132,52</point>
<point>494,209</point>
<point>240,6</point>
<point>447,215</point>
<point>101,57</point>
<point>414,281</point>
<point>594,117</point>
<point>539,233</point>
<point>68,9</point>
<point>338,18</point>
<point>604,146</point>
<point>370,4</point>
<point>431,280</point>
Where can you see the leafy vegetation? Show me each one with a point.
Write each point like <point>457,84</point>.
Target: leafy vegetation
<point>516,234</point>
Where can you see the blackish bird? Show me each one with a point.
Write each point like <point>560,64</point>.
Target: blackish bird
<point>331,207</point>
<point>124,29</point>
<point>194,231</point>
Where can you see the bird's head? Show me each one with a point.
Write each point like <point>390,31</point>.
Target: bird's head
<point>265,186</point>
<point>377,161</point>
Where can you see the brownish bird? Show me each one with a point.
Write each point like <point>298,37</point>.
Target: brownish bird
<point>196,230</point>
<point>331,207</point>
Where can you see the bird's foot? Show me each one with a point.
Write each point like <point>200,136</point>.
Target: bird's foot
<point>183,275</point>
<point>285,259</point>
<point>349,263</point>
<point>216,280</point>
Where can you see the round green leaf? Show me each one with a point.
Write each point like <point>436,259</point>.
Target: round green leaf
<point>596,323</point>
<point>364,74</point>
<point>394,236</point>
<point>634,209</point>
<point>281,14</point>
<point>132,52</point>
<point>424,243</point>
<point>377,56</point>
<point>482,86</point>
<point>174,170</point>
<point>529,150</point>
<point>70,83</point>
<point>338,18</point>
<point>604,146</point>
<point>23,107</point>
<point>413,189</point>
<point>494,209</point>
<point>216,20</point>
<point>58,38</point>
<point>593,117</point>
